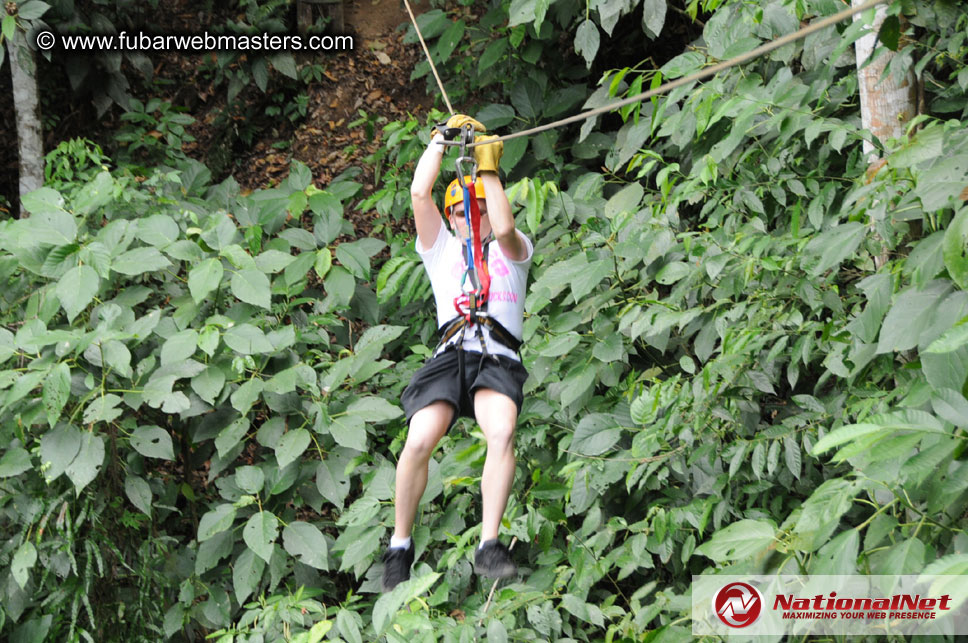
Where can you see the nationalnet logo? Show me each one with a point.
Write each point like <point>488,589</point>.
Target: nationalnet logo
<point>857,605</point>
<point>898,606</point>
<point>738,604</point>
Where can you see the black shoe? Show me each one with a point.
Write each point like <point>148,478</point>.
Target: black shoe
<point>494,560</point>
<point>396,566</point>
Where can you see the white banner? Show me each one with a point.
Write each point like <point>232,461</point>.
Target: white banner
<point>744,606</point>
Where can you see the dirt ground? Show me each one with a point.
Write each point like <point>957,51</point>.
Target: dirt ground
<point>374,77</point>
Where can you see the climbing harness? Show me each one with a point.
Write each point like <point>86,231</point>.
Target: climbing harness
<point>669,86</point>
<point>471,304</point>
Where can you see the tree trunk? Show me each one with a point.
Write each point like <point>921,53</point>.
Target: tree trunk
<point>23,72</point>
<point>887,103</point>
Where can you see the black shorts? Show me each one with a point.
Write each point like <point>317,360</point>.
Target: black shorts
<point>440,379</point>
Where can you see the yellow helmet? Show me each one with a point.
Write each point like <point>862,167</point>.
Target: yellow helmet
<point>455,194</point>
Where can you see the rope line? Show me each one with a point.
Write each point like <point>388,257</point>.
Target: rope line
<point>430,60</point>
<point>700,75</point>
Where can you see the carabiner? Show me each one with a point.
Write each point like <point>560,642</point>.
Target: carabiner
<point>461,160</point>
<point>466,137</point>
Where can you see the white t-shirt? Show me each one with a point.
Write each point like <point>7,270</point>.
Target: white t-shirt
<point>445,266</point>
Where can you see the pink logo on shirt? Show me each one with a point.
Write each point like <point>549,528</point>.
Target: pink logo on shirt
<point>498,267</point>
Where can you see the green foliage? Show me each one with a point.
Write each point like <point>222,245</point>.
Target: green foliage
<point>24,15</point>
<point>200,409</point>
<point>153,132</point>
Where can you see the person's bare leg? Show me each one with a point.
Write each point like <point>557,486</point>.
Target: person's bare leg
<point>497,415</point>
<point>427,426</point>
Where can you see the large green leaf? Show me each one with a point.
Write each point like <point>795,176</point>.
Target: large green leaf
<point>153,442</point>
<point>909,315</point>
<point>138,492</point>
<point>158,230</point>
<point>492,54</point>
<point>833,246</point>
<point>272,261</point>
<point>596,433</point>
<point>50,223</point>
<point>246,574</point>
<point>14,462</point>
<point>942,181</point>
<point>354,258</point>
<point>653,16</point>
<point>204,278</point>
<point>58,447</point>
<point>577,383</point>
<point>449,39</point>
<point>57,388</point>
<point>955,248</point>
<point>521,12</point>
<point>845,434</point>
<point>231,435</point>
<point>388,604</point>
<point>739,540</point>
<point>251,286</point>
<point>33,9</point>
<point>247,394</point>
<point>216,520</point>
<point>349,431</point>
<point>23,561</point>
<point>307,544</point>
<point>179,346</point>
<point>209,383</point>
<point>260,533</point>
<point>820,514</point>
<point>527,98</point>
<point>76,289</point>
<point>291,445</point>
<point>587,41</point>
<point>250,479</point>
<point>87,463</point>
<point>905,557</point>
<point>331,482</point>
<point>247,340</point>
<point>589,278</point>
<point>103,408</point>
<point>837,557</point>
<point>374,409</point>
<point>139,260</point>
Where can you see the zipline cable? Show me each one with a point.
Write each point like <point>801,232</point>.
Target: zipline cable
<point>665,87</point>
<point>433,68</point>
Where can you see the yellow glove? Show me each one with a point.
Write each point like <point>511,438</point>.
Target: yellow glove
<point>488,156</point>
<point>458,121</point>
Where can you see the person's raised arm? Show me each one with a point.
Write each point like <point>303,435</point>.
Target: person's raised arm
<point>426,216</point>
<point>498,209</point>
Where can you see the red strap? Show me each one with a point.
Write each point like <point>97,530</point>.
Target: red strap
<point>479,264</point>
<point>462,302</point>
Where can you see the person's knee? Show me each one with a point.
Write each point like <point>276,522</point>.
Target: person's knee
<point>497,415</point>
<point>500,435</point>
<point>426,428</point>
<point>420,445</point>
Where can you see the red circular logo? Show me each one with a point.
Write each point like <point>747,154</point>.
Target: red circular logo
<point>738,604</point>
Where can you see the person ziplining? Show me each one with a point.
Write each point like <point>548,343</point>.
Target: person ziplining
<point>479,282</point>
<point>479,374</point>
